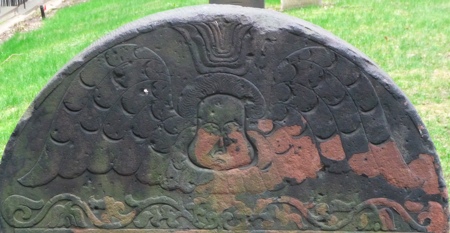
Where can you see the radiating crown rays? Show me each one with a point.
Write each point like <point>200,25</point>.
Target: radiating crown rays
<point>218,46</point>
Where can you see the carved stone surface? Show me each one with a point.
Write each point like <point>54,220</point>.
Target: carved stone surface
<point>215,118</point>
<point>289,4</point>
<point>247,3</point>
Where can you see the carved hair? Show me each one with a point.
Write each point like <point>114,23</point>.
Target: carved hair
<point>226,84</point>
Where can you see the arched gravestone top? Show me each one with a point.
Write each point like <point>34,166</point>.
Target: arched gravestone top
<point>221,118</point>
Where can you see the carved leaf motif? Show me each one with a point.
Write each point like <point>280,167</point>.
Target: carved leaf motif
<point>66,215</point>
<point>67,210</point>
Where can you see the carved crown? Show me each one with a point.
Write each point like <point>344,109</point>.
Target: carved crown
<point>218,46</point>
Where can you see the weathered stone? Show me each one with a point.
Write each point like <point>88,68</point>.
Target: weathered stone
<point>289,4</point>
<point>221,118</point>
<point>247,3</point>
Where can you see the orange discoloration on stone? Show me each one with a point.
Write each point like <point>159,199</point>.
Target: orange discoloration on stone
<point>333,220</point>
<point>267,224</point>
<point>294,130</point>
<point>239,151</point>
<point>113,210</point>
<point>280,141</point>
<point>264,159</point>
<point>286,213</point>
<point>219,185</point>
<point>363,220</point>
<point>271,177</point>
<point>300,206</point>
<point>253,181</point>
<point>204,144</point>
<point>332,148</point>
<point>386,160</point>
<point>261,204</point>
<point>235,155</point>
<point>300,162</point>
<point>265,125</point>
<point>386,220</point>
<point>439,221</point>
<point>280,156</point>
<point>424,168</point>
<point>236,185</point>
<point>364,163</point>
<point>286,216</point>
<point>392,165</point>
<point>322,208</point>
<point>391,204</point>
<point>414,207</point>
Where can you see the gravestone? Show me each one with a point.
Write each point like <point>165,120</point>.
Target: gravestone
<point>221,118</point>
<point>289,4</point>
<point>247,3</point>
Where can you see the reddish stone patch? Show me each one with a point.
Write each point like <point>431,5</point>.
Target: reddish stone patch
<point>300,206</point>
<point>235,185</point>
<point>205,143</point>
<point>236,154</point>
<point>332,148</point>
<point>392,165</point>
<point>391,204</point>
<point>299,160</point>
<point>285,215</point>
<point>387,160</point>
<point>280,141</point>
<point>239,151</point>
<point>364,164</point>
<point>439,220</point>
<point>415,207</point>
<point>386,220</point>
<point>265,125</point>
<point>424,168</point>
<point>294,130</point>
<point>264,159</point>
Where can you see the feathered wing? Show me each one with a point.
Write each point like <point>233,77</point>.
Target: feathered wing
<point>110,118</point>
<point>358,123</point>
<point>335,98</point>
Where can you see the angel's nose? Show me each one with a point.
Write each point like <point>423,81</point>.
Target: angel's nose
<point>220,146</point>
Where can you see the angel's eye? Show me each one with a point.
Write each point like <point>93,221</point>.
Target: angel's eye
<point>211,128</point>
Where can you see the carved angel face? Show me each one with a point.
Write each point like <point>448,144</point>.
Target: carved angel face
<point>221,142</point>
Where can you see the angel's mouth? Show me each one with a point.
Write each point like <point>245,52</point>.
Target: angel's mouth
<point>219,156</point>
<point>217,153</point>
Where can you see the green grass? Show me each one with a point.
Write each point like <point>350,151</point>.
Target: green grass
<point>410,40</point>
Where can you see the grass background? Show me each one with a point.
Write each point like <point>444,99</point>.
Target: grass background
<point>410,40</point>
